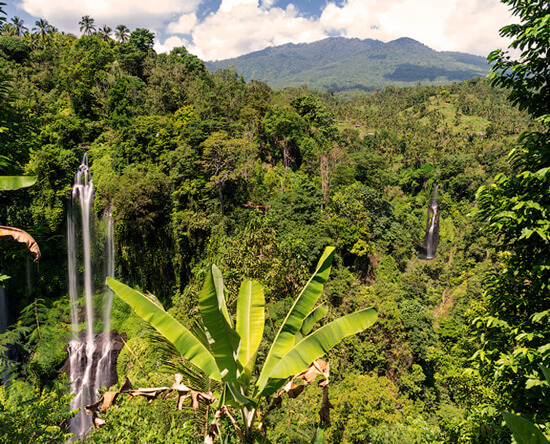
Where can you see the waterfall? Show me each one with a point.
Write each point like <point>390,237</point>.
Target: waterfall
<point>3,311</point>
<point>103,371</point>
<point>89,358</point>
<point>431,241</point>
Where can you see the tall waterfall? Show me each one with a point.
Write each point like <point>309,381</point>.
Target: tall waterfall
<point>89,354</point>
<point>3,311</point>
<point>431,241</point>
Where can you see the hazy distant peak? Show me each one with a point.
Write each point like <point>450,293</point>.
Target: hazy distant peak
<point>344,63</point>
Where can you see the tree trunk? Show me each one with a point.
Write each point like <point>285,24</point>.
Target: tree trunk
<point>220,193</point>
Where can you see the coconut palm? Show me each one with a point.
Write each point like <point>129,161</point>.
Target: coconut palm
<point>122,33</point>
<point>42,29</point>
<point>87,25</point>
<point>105,32</point>
<point>9,29</point>
<point>18,23</point>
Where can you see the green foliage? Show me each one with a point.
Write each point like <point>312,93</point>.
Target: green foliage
<point>229,353</point>
<point>297,170</point>
<point>14,49</point>
<point>340,65</point>
<point>28,415</point>
<point>515,209</point>
<point>363,403</point>
<point>36,345</point>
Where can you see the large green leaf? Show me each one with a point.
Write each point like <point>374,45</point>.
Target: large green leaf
<point>524,431</point>
<point>16,182</point>
<point>292,324</point>
<point>321,341</point>
<point>315,316</point>
<point>250,322</point>
<point>546,372</point>
<point>184,341</point>
<point>224,341</point>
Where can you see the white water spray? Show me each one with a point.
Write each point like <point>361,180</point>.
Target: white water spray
<point>432,235</point>
<point>3,311</point>
<point>103,370</point>
<point>89,365</point>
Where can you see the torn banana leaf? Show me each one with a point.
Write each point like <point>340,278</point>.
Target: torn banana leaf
<point>22,237</point>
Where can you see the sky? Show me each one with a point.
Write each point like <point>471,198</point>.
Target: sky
<point>222,29</point>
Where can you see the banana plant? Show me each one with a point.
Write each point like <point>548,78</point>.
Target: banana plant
<point>14,183</point>
<point>524,431</point>
<point>227,350</point>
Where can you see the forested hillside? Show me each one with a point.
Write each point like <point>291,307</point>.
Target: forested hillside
<point>352,65</point>
<point>204,168</point>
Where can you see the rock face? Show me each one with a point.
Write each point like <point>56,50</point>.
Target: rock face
<point>111,376</point>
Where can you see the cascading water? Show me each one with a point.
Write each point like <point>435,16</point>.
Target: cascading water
<point>3,311</point>
<point>89,363</point>
<point>431,241</point>
<point>103,370</point>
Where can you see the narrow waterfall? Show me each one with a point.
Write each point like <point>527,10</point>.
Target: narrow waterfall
<point>3,311</point>
<point>103,371</point>
<point>89,354</point>
<point>431,241</point>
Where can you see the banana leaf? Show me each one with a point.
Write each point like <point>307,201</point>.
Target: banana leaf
<point>184,341</point>
<point>286,336</point>
<point>524,431</point>
<point>321,341</point>
<point>250,324</point>
<point>223,340</point>
<point>22,237</point>
<point>16,182</point>
<point>315,316</point>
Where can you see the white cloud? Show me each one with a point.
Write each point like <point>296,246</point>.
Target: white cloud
<point>473,25</point>
<point>171,43</point>
<point>456,25</point>
<point>184,25</point>
<point>65,14</point>
<point>242,26</point>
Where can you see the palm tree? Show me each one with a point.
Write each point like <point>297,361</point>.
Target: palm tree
<point>87,25</point>
<point>105,32</point>
<point>121,33</point>
<point>42,28</point>
<point>9,29</point>
<point>31,40</point>
<point>20,28</point>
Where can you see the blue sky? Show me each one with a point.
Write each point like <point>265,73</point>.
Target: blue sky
<point>220,29</point>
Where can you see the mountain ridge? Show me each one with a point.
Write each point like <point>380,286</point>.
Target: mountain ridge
<point>345,64</point>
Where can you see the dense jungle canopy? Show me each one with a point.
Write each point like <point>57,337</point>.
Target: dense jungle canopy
<point>204,168</point>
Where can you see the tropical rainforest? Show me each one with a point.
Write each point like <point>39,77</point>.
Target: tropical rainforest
<point>204,168</point>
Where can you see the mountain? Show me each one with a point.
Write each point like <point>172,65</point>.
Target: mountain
<point>353,64</point>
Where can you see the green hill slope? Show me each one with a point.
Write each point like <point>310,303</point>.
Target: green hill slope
<point>347,64</point>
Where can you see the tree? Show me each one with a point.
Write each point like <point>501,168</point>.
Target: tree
<point>323,130</point>
<point>142,39</point>
<point>42,29</point>
<point>284,129</point>
<point>20,28</point>
<point>87,25</point>
<point>220,158</point>
<point>132,55</point>
<point>122,33</point>
<point>105,32</point>
<point>514,331</point>
<point>228,356</point>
